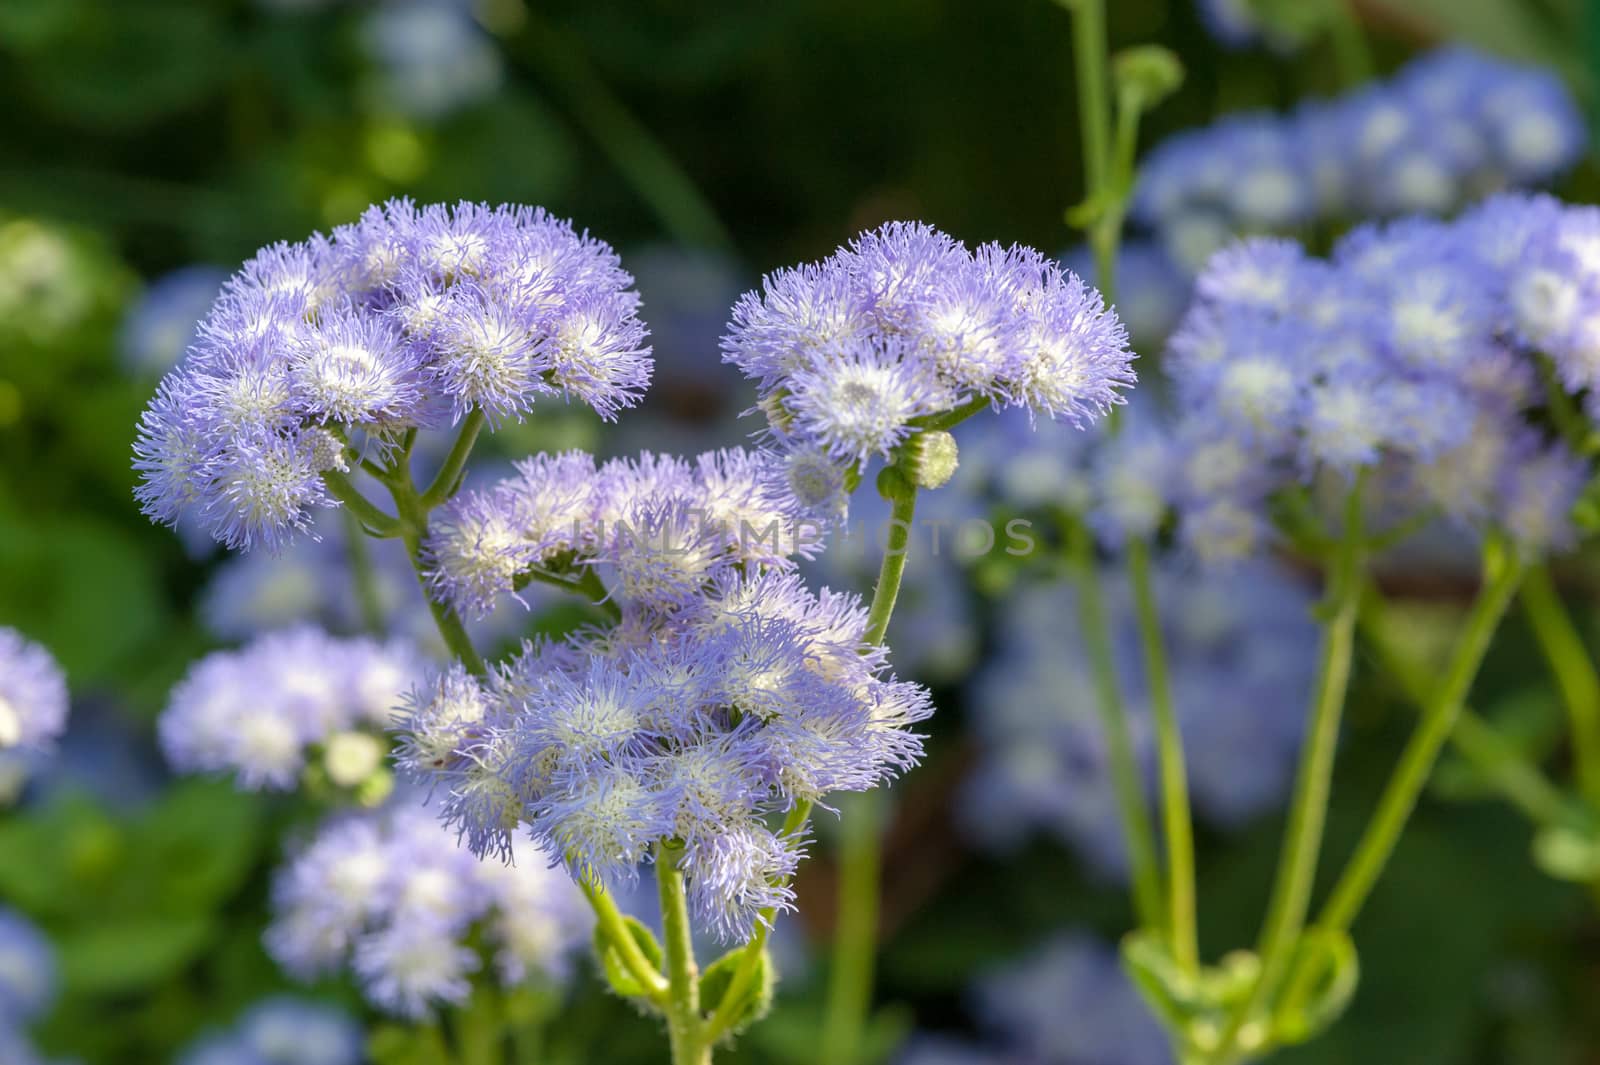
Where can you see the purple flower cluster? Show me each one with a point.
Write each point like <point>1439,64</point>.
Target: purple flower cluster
<point>408,318</point>
<point>1413,352</point>
<point>27,972</point>
<point>1451,127</point>
<point>394,895</point>
<point>282,1031</point>
<point>262,711</point>
<point>905,324</point>
<point>1067,1003</point>
<point>33,694</point>
<point>689,725</point>
<point>1242,649</point>
<point>661,526</point>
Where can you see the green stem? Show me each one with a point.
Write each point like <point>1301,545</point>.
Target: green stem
<point>374,520</point>
<point>1573,670</point>
<point>685,1027</point>
<point>1176,820</point>
<point>725,1015</point>
<point>902,498</point>
<point>634,150</point>
<point>414,526</point>
<point>1502,572</point>
<point>1350,49</point>
<point>362,576</point>
<point>448,478</point>
<point>955,416</point>
<point>1297,862</point>
<point>1518,780</point>
<point>480,1028</point>
<point>1125,779</point>
<point>616,932</point>
<point>855,933</point>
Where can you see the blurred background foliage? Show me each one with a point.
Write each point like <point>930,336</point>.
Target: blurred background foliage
<point>143,137</point>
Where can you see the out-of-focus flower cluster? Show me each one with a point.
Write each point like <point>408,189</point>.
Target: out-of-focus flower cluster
<point>408,318</point>
<point>288,700</point>
<point>906,324</point>
<point>281,1030</point>
<point>698,716</point>
<point>1448,129</point>
<point>1242,650</point>
<point>33,694</point>
<point>1414,351</point>
<point>1067,1003</point>
<point>27,985</point>
<point>393,895</point>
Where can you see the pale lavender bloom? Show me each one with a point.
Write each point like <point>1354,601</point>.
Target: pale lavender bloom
<point>1069,1003</point>
<point>406,319</point>
<point>395,896</point>
<point>1242,649</point>
<point>433,58</point>
<point>158,329</point>
<point>281,1031</point>
<point>33,694</point>
<point>27,971</point>
<point>694,720</point>
<point>906,323</point>
<point>1151,291</point>
<point>259,712</point>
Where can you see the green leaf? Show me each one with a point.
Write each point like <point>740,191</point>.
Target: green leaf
<point>754,1002</point>
<point>111,957</point>
<point>616,973</point>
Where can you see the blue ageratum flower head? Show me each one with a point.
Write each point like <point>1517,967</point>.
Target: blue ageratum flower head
<point>1412,352</point>
<point>907,323</point>
<point>692,724</point>
<point>1241,644</point>
<point>164,322</point>
<point>662,526</point>
<point>394,896</point>
<point>282,1030</point>
<point>1448,129</point>
<point>33,694</point>
<point>1151,290</point>
<point>1069,1003</point>
<point>408,318</point>
<point>27,971</point>
<point>263,711</point>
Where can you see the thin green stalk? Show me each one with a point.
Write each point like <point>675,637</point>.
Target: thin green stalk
<point>374,520</point>
<point>621,939</point>
<point>685,1026</point>
<point>1129,789</point>
<point>855,936</point>
<point>1518,780</point>
<point>363,578</point>
<point>448,478</point>
<point>480,1028</point>
<point>1350,49</point>
<point>1297,862</point>
<point>1502,572</point>
<point>1573,670</point>
<point>643,161</point>
<point>413,527</point>
<point>725,1016</point>
<point>1176,820</point>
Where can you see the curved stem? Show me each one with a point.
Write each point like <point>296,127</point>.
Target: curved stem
<point>362,576</point>
<point>1297,862</point>
<point>1573,670</point>
<point>1125,777</point>
<point>902,510</point>
<point>1518,780</point>
<point>1502,572</point>
<point>413,527</point>
<point>725,1015</point>
<point>1176,820</point>
<point>685,1026</point>
<point>448,478</point>
<point>616,931</point>
<point>374,520</point>
<point>855,937</point>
